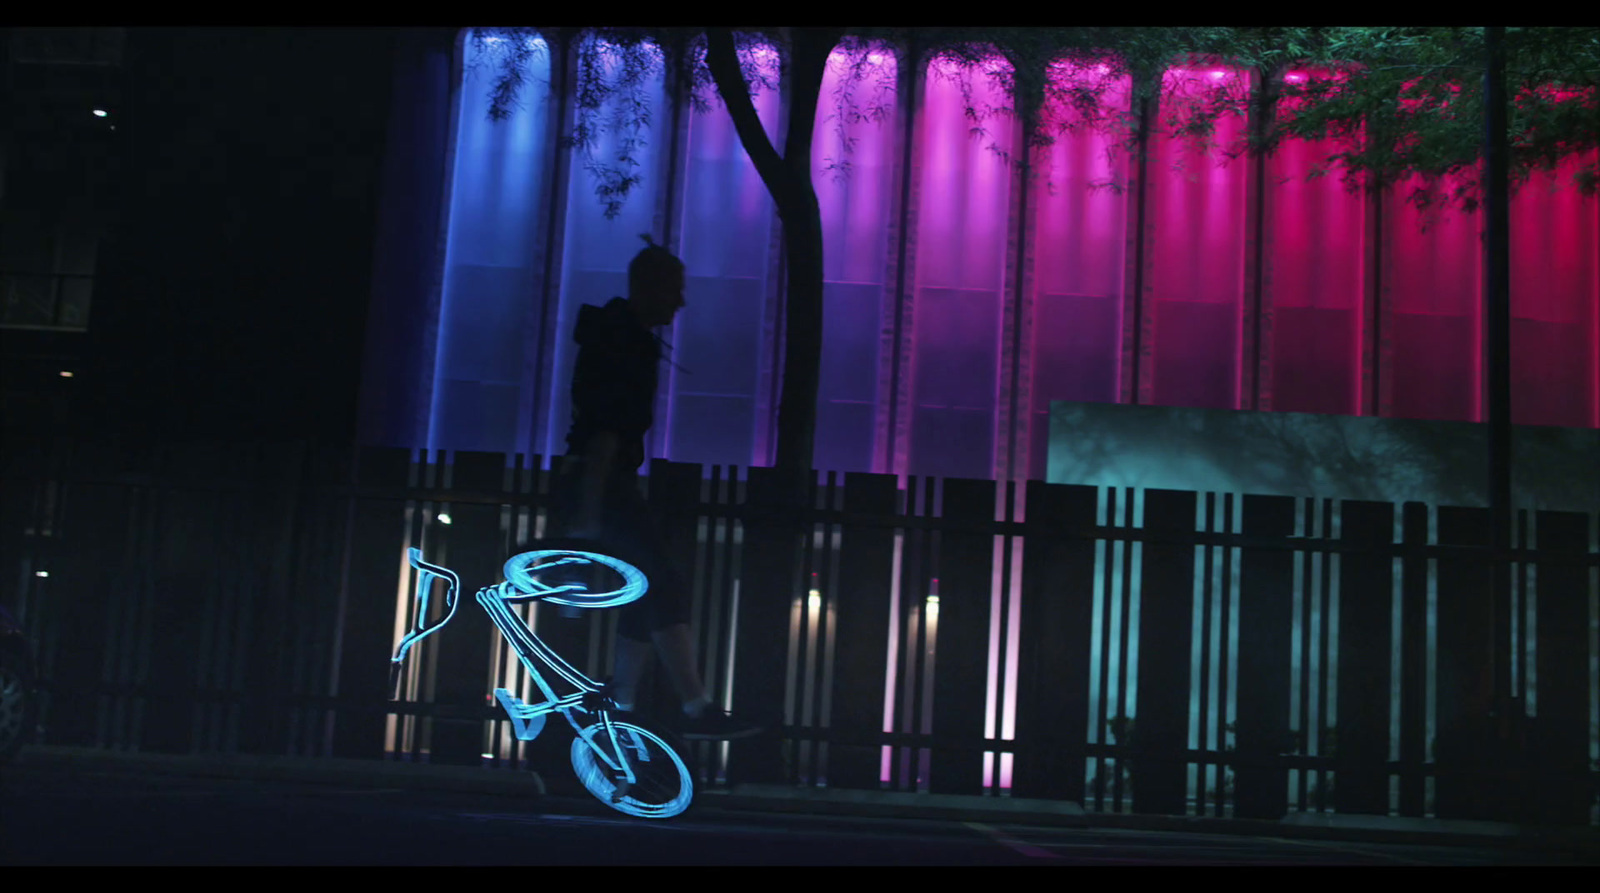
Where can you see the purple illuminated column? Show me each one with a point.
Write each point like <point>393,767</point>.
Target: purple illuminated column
<point>853,168</point>
<point>953,320</point>
<point>720,411</point>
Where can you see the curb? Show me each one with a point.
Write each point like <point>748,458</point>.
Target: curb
<point>895,804</point>
<point>1583,841</point>
<point>1374,829</point>
<point>378,773</point>
<point>1052,813</point>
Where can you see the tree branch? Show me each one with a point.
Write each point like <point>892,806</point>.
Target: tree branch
<point>810,61</point>
<point>723,60</point>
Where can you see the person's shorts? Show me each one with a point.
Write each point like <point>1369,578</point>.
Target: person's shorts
<point>634,532</point>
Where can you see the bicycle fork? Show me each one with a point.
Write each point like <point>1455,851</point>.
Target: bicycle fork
<point>622,740</point>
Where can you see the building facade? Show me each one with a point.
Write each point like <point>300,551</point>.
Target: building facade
<point>58,170</point>
<point>962,295</point>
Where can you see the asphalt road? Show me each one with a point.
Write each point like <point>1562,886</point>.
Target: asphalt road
<point>53,816</point>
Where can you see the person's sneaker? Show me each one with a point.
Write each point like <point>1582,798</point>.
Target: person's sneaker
<point>715,724</point>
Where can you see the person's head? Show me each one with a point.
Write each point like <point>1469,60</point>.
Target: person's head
<point>655,285</point>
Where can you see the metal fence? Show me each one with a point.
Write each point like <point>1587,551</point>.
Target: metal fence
<point>1152,651</point>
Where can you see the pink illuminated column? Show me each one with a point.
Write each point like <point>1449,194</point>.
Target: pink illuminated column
<point>1555,287</point>
<point>1430,314</point>
<point>1072,320</point>
<point>953,321</point>
<point>1193,304</point>
<point>1314,237</point>
<point>854,168</point>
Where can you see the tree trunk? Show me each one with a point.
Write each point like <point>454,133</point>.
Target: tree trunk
<point>788,179</point>
<point>802,354</point>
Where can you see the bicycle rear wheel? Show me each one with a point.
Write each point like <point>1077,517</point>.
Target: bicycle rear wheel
<point>662,787</point>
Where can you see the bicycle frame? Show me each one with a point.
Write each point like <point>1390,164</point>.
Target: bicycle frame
<point>527,719</point>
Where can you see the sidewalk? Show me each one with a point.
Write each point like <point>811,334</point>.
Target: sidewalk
<point>815,801</point>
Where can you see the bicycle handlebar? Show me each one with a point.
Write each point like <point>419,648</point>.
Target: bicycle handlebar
<point>420,628</point>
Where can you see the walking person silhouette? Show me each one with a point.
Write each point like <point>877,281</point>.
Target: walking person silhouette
<point>613,398</point>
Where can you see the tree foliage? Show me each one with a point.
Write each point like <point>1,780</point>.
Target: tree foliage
<point>1400,102</point>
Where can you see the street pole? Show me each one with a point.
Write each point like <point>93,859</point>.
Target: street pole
<point>1497,311</point>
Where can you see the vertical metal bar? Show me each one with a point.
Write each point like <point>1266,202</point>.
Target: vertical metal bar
<point>1203,676</point>
<point>911,643</point>
<point>828,619</point>
<point>1413,645</point>
<point>920,691</point>
<point>1519,619</point>
<point>1009,569</point>
<point>1129,562</point>
<point>1324,650</point>
<point>1107,598</point>
<point>806,659</point>
<point>1231,507</point>
<point>1307,595</point>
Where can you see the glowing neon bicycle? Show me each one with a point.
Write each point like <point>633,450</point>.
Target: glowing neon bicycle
<point>628,767</point>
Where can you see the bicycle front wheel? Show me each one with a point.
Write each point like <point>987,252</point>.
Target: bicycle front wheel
<point>661,786</point>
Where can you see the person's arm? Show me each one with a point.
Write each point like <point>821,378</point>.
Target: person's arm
<point>599,459</point>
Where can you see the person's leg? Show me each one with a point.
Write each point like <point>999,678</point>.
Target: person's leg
<point>631,658</point>
<point>676,647</point>
<point>664,617</point>
<point>653,625</point>
<point>661,617</point>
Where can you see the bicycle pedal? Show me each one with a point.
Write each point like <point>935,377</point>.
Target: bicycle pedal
<point>621,791</point>
<point>526,726</point>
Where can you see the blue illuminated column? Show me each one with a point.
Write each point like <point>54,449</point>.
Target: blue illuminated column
<point>596,250</point>
<point>721,411</point>
<point>491,304</point>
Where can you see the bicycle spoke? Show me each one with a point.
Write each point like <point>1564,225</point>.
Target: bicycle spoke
<point>659,788</point>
